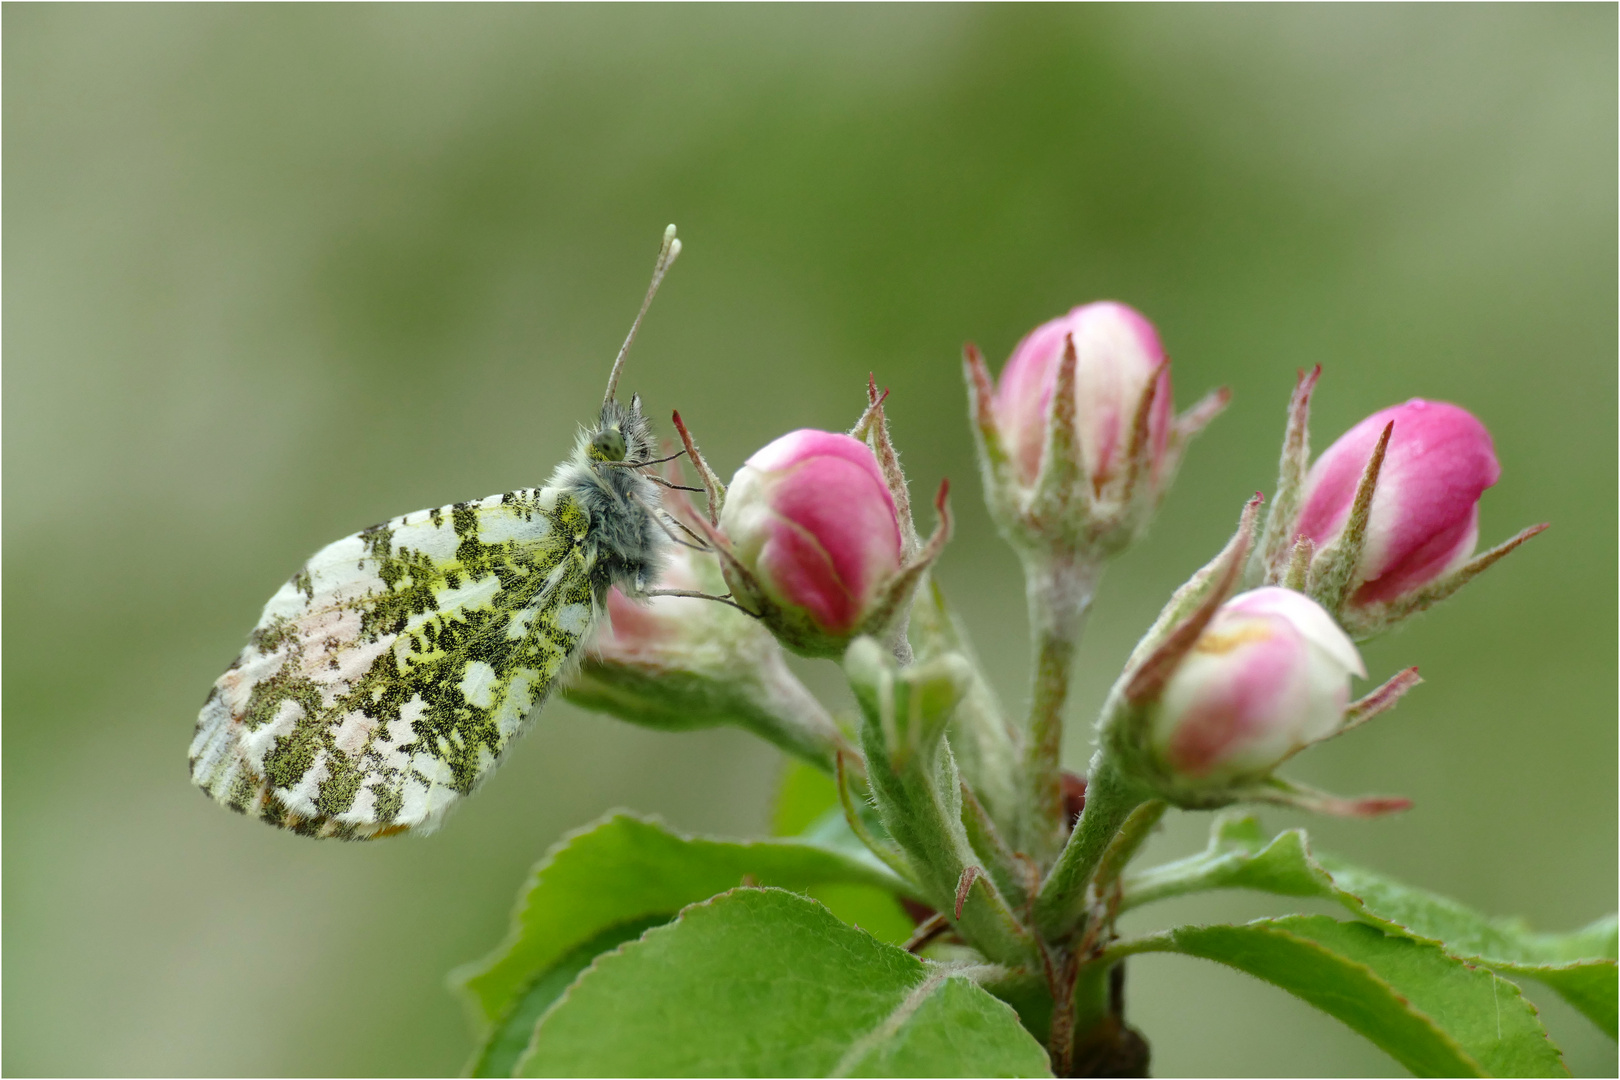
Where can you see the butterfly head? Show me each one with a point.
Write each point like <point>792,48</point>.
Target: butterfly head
<point>621,434</point>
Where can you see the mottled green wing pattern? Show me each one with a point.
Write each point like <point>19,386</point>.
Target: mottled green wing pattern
<point>388,676</point>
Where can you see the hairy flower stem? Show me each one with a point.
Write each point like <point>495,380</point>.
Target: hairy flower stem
<point>1061,973</point>
<point>1084,1014</point>
<point>1111,800</point>
<point>1059,593</point>
<point>1090,1035</point>
<point>787,714</point>
<point>1137,828</point>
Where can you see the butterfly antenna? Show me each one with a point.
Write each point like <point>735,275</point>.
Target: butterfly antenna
<point>666,258</point>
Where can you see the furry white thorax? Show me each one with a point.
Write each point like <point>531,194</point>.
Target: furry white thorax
<point>621,502</point>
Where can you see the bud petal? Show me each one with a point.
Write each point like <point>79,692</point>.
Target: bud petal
<point>1117,353</point>
<point>1269,675</point>
<point>1308,618</point>
<point>1424,519</point>
<point>813,532</point>
<point>676,663</point>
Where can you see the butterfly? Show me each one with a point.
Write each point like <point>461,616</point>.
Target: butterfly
<point>387,678</point>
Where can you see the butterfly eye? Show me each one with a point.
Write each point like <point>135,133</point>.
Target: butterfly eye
<point>608,445</point>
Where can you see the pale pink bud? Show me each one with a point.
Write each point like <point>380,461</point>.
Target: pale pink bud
<point>811,519</point>
<point>1424,519</point>
<point>676,662</point>
<point>648,633</point>
<point>1268,675</point>
<point>1116,353</point>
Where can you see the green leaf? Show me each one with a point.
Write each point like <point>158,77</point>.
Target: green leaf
<point>803,796</point>
<point>807,807</point>
<point>1465,931</point>
<point>624,869</point>
<point>874,910</point>
<point>1433,1013</point>
<point>1580,966</point>
<point>510,1037</point>
<point>1588,985</point>
<point>762,982</point>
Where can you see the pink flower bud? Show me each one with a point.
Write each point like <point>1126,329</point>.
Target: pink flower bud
<point>1424,519</point>
<point>812,520</point>
<point>1269,674</point>
<point>1116,353</point>
<point>675,663</point>
<point>665,627</point>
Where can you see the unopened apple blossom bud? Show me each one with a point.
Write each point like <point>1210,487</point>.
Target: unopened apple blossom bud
<point>1424,518</point>
<point>1077,439</point>
<point>1223,689</point>
<point>680,662</point>
<point>1269,675</point>
<point>1117,355</point>
<point>660,632</point>
<point>814,538</point>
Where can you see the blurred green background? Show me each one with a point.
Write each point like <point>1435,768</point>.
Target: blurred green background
<point>274,273</point>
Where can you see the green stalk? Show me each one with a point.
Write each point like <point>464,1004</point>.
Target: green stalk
<point>1132,835</point>
<point>1111,800</point>
<point>1092,1006</point>
<point>1059,593</point>
<point>1195,873</point>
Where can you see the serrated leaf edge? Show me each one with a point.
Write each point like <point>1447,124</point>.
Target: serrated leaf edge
<point>935,976</point>
<point>1237,841</point>
<point>1165,941</point>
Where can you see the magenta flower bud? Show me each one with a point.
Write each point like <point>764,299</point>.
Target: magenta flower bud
<point>1268,676</point>
<point>1424,518</point>
<point>1117,352</point>
<point>814,531</point>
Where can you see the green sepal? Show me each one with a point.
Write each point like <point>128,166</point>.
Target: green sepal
<point>1373,619</point>
<point>987,747</point>
<point>915,784</point>
<point>1061,502</point>
<point>1277,537</point>
<point>762,982</point>
<point>1336,567</point>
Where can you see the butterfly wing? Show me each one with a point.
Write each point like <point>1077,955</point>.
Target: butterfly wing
<point>385,680</point>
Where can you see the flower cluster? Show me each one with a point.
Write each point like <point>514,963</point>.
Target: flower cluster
<point>812,550</point>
